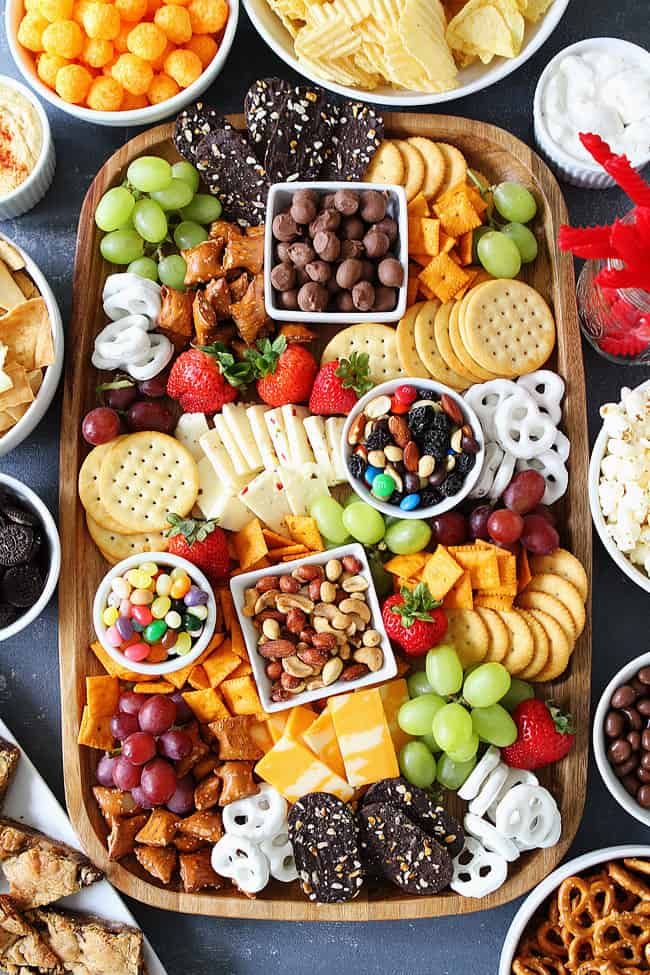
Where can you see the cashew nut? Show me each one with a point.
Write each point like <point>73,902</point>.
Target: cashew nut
<point>267,599</point>
<point>287,601</point>
<point>271,629</point>
<point>372,657</point>
<point>356,606</point>
<point>294,666</point>
<point>315,684</point>
<point>355,584</point>
<point>340,621</point>
<point>250,599</point>
<point>371,638</point>
<point>345,651</point>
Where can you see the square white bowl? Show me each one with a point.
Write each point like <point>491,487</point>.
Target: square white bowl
<point>279,198</point>
<point>258,663</point>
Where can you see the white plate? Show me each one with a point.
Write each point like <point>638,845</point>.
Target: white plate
<point>28,793</point>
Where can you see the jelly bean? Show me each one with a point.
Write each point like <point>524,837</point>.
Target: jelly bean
<point>124,627</point>
<point>173,619</point>
<point>139,579</point>
<point>121,587</point>
<point>141,597</point>
<point>371,473</point>
<point>195,597</point>
<point>126,608</point>
<point>160,607</point>
<point>142,615</point>
<point>109,616</point>
<point>138,627</point>
<point>199,611</point>
<point>113,637</point>
<point>155,631</point>
<point>183,644</point>
<point>410,502</point>
<point>114,600</point>
<point>383,486</point>
<point>178,573</point>
<point>137,652</point>
<point>163,584</point>
<point>169,639</point>
<point>149,567</point>
<point>180,587</point>
<point>191,622</point>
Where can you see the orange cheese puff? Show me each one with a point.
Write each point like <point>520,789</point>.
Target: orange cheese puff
<point>132,10</point>
<point>134,74</point>
<point>175,22</point>
<point>97,53</point>
<point>161,88</point>
<point>131,102</point>
<point>152,6</point>
<point>55,9</point>
<point>64,38</point>
<point>32,7</point>
<point>31,30</point>
<point>47,67</point>
<point>101,20</point>
<point>79,10</point>
<point>121,41</point>
<point>105,95</point>
<point>159,63</point>
<point>208,16</point>
<point>147,41</point>
<point>72,83</point>
<point>184,67</point>
<point>204,46</point>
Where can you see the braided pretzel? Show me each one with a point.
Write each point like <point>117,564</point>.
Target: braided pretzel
<point>583,902</point>
<point>622,938</point>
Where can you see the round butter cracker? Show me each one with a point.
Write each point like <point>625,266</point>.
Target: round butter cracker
<point>559,646</point>
<point>556,585</point>
<point>427,348</point>
<point>565,564</point>
<point>541,647</point>
<point>434,163</point>
<point>460,349</point>
<point>441,332</point>
<point>455,167</point>
<point>498,633</point>
<point>387,165</point>
<point>89,492</point>
<point>522,647</point>
<point>467,632</point>
<point>378,341</point>
<point>410,361</point>
<point>551,605</point>
<point>413,168</point>
<point>115,546</point>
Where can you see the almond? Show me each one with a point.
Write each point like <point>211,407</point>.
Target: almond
<point>355,433</point>
<point>399,430</point>
<point>354,672</point>
<point>277,648</point>
<point>411,456</point>
<point>452,409</point>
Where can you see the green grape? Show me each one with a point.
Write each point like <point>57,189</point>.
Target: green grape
<point>329,518</point>
<point>171,271</point>
<point>524,239</point>
<point>514,202</point>
<point>150,221</point>
<point>418,683</point>
<point>149,173</point>
<point>466,751</point>
<point>431,743</point>
<point>444,670</point>
<point>415,717</point>
<point>364,523</point>
<point>519,691</point>
<point>121,246</point>
<point>494,725</point>
<point>408,536</point>
<point>486,685</point>
<point>476,236</point>
<point>452,726</point>
<point>417,764</point>
<point>144,267</point>
<point>499,255</point>
<point>189,234</point>
<point>114,209</point>
<point>203,208</point>
<point>178,194</point>
<point>450,774</point>
<point>187,173</point>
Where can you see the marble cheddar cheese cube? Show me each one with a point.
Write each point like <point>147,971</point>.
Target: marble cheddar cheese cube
<point>276,723</point>
<point>364,737</point>
<point>300,718</point>
<point>393,694</point>
<point>320,736</point>
<point>292,769</point>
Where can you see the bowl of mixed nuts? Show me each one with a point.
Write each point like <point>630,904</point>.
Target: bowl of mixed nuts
<point>313,629</point>
<point>412,449</point>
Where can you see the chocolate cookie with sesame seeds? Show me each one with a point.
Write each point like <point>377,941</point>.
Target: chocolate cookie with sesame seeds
<point>398,850</point>
<point>359,133</point>
<point>227,162</point>
<point>324,834</point>
<point>192,125</point>
<point>420,809</point>
<point>262,106</point>
<point>297,143</point>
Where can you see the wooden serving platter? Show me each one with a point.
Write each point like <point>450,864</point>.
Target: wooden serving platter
<point>499,156</point>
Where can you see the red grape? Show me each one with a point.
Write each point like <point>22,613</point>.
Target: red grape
<point>175,745</point>
<point>157,714</point>
<point>126,776</point>
<point>158,781</point>
<point>183,712</point>
<point>450,528</point>
<point>156,387</point>
<point>525,490</point>
<point>182,802</point>
<point>505,526</point>
<point>123,725</point>
<point>539,536</point>
<point>140,799</point>
<point>478,521</point>
<point>139,748</point>
<point>104,771</point>
<point>100,425</point>
<point>120,398</point>
<point>150,415</point>
<point>130,702</point>
<point>544,512</point>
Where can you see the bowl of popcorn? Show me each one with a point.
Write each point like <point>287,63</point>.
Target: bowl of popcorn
<point>131,62</point>
<point>619,483</point>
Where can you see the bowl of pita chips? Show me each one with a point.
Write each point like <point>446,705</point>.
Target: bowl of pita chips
<point>31,345</point>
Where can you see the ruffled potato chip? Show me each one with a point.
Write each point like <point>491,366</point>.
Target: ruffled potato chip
<point>487,28</point>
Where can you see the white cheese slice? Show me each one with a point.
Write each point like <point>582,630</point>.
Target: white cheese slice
<point>275,425</point>
<point>334,431</point>
<point>220,460</point>
<point>189,430</point>
<point>238,460</point>
<point>315,430</point>
<point>266,498</point>
<point>235,416</point>
<point>216,501</point>
<point>262,436</point>
<point>303,486</point>
<point>299,450</point>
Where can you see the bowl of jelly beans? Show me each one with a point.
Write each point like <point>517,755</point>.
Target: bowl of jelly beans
<point>154,613</point>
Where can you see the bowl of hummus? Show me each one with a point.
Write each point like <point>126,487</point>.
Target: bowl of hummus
<point>26,150</point>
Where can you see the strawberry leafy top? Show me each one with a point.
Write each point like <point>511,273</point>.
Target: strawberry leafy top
<point>234,372</point>
<point>417,605</point>
<point>564,723</point>
<point>354,373</point>
<point>263,360</point>
<point>192,529</point>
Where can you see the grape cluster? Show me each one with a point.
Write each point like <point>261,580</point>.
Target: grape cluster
<point>502,251</point>
<point>130,405</point>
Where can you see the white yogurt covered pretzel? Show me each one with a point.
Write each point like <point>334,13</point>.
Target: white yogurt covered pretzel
<point>485,398</point>
<point>242,861</point>
<point>279,852</point>
<point>490,837</point>
<point>259,817</point>
<point>547,389</point>
<point>477,871</point>
<point>490,789</point>
<point>522,429</point>
<point>472,784</point>
<point>491,463</point>
<point>526,813</point>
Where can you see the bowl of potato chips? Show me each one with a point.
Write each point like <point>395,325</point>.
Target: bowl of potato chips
<point>405,52</point>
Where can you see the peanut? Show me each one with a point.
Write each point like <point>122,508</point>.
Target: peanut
<point>327,592</point>
<point>351,563</point>
<point>295,620</point>
<point>289,584</point>
<point>331,671</point>
<point>266,583</point>
<point>314,589</point>
<point>333,569</point>
<point>274,670</point>
<point>305,573</point>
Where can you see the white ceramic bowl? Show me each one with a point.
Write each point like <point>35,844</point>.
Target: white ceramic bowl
<point>625,565</point>
<point>536,898</point>
<point>587,174</point>
<point>140,116</point>
<point>52,374</point>
<point>172,663</point>
<point>247,581</point>
<point>472,79</point>
<point>31,500</point>
<point>33,189</point>
<point>387,389</point>
<point>279,199</point>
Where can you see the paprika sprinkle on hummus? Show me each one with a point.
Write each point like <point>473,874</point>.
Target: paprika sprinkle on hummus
<point>21,139</point>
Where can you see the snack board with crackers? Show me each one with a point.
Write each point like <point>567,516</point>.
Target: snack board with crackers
<point>385,516</point>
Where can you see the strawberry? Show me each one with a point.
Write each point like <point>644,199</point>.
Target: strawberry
<point>545,735</point>
<point>285,373</point>
<point>339,384</point>
<point>413,620</point>
<point>202,543</point>
<point>203,379</point>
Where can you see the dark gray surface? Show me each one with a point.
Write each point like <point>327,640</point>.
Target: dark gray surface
<point>29,696</point>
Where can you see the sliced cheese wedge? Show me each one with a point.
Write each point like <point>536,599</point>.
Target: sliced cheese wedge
<point>266,498</point>
<point>334,431</point>
<point>299,450</point>
<point>255,415</point>
<point>189,430</point>
<point>216,501</point>
<point>275,425</point>
<point>315,429</point>
<point>303,486</point>
<point>214,449</point>
<point>237,421</point>
<point>237,458</point>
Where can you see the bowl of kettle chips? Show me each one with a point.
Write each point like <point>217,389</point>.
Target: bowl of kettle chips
<point>31,345</point>
<point>405,52</point>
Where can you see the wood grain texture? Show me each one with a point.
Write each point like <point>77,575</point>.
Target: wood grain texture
<point>499,156</point>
